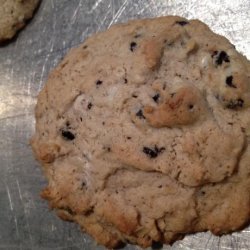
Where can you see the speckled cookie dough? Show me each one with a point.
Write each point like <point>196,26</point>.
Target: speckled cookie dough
<point>143,133</point>
<point>13,16</point>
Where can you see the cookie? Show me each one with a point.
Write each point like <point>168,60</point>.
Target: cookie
<point>14,14</point>
<point>143,132</point>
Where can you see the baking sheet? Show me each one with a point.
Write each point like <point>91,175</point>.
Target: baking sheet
<point>25,221</point>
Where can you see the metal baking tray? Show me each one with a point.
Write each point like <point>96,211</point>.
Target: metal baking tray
<point>25,220</point>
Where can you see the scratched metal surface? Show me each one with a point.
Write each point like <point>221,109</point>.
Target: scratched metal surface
<point>25,221</point>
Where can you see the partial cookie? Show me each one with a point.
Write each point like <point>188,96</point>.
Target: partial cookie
<point>143,133</point>
<point>13,16</point>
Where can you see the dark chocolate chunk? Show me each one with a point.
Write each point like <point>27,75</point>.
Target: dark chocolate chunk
<point>140,114</point>
<point>229,82</point>
<point>90,105</point>
<point>234,104</point>
<point>156,98</point>
<point>133,46</point>
<point>182,23</point>
<point>221,57</point>
<point>125,80</point>
<point>98,82</point>
<point>67,124</point>
<point>135,96</point>
<point>128,137</point>
<point>153,152</point>
<point>68,135</point>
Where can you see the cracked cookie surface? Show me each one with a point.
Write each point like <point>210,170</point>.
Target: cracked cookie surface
<point>143,133</point>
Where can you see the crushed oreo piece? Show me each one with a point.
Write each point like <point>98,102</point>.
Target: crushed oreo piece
<point>153,152</point>
<point>220,57</point>
<point>234,104</point>
<point>156,98</point>
<point>140,114</point>
<point>229,82</point>
<point>90,105</point>
<point>133,46</point>
<point>98,82</point>
<point>182,23</point>
<point>68,135</point>
<point>150,152</point>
